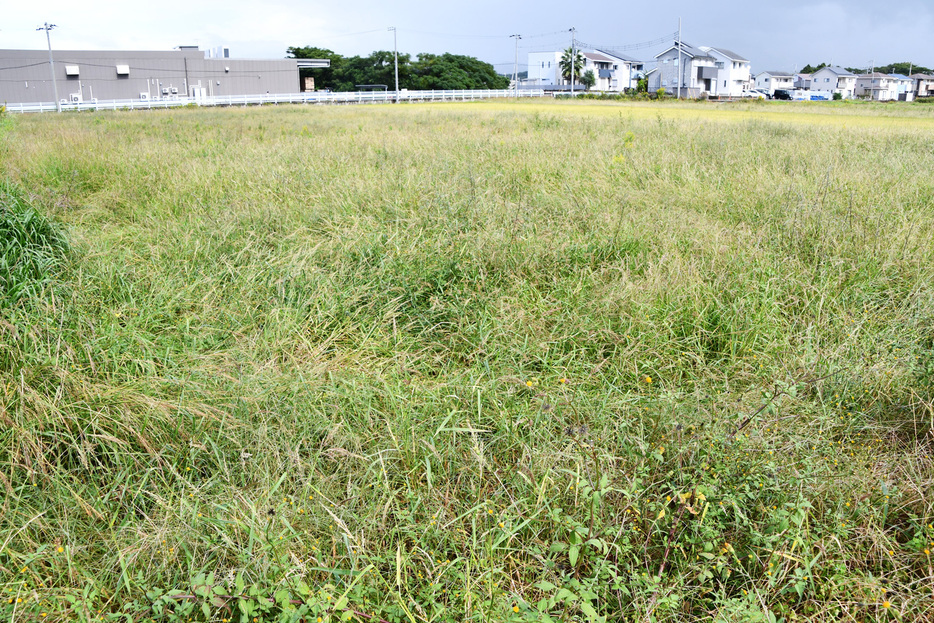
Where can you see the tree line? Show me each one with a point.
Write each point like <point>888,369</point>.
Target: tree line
<point>904,68</point>
<point>425,72</point>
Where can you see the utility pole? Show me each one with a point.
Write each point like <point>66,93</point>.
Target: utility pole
<point>573,60</point>
<point>47,27</point>
<point>515,72</point>
<point>872,70</point>
<point>395,56</point>
<point>680,66</point>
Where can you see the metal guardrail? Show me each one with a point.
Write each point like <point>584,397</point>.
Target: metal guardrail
<point>352,97</point>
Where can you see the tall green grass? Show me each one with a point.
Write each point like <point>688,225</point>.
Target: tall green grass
<point>30,247</point>
<point>472,362</point>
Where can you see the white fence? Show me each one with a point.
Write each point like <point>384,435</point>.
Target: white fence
<point>354,97</point>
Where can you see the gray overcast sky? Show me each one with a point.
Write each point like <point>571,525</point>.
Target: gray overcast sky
<point>784,35</point>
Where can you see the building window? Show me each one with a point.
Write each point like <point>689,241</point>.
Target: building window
<point>123,70</point>
<point>543,64</point>
<point>675,61</point>
<point>71,70</point>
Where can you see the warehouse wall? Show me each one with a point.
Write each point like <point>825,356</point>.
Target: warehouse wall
<point>24,75</point>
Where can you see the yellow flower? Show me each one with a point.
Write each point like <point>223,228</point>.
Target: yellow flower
<point>60,549</point>
<point>515,608</point>
<point>648,379</point>
<point>886,604</point>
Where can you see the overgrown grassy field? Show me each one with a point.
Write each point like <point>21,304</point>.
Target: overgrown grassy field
<point>487,362</point>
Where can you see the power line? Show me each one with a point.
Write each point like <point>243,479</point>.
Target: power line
<point>631,46</point>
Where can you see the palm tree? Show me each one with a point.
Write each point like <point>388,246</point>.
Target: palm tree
<point>565,64</point>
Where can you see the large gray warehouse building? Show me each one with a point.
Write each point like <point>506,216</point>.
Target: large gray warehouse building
<point>108,75</point>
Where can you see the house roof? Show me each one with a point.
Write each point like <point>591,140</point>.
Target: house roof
<point>621,57</point>
<point>921,77</point>
<point>900,76</point>
<point>777,74</point>
<point>687,49</point>
<point>840,71</point>
<point>731,55</point>
<point>599,58</point>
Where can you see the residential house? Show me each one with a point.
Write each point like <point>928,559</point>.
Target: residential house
<point>923,85</point>
<point>905,87</point>
<point>877,86</point>
<point>733,72</point>
<point>683,67</point>
<point>613,72</point>
<point>544,69</point>
<point>625,72</point>
<point>803,81</point>
<point>602,68</point>
<point>834,79</point>
<point>770,81</point>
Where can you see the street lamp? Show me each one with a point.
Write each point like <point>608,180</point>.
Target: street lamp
<point>47,27</point>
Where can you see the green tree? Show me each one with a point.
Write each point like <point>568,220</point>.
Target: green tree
<point>808,69</point>
<point>454,71</point>
<point>377,68</point>
<point>565,64</point>
<point>906,68</point>
<point>325,77</point>
<point>588,79</point>
<point>642,85</point>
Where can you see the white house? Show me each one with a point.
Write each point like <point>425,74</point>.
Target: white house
<point>544,69</point>
<point>625,72</point>
<point>802,81</point>
<point>692,69</point>
<point>877,86</point>
<point>732,72</point>
<point>835,79</point>
<point>924,85</point>
<point>613,72</point>
<point>905,86</point>
<point>770,81</point>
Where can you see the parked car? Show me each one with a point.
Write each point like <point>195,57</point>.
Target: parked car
<point>782,94</point>
<point>755,94</point>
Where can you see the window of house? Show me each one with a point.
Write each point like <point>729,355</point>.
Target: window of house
<point>123,70</point>
<point>71,70</point>
<point>675,61</point>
